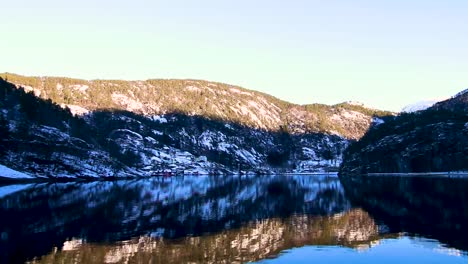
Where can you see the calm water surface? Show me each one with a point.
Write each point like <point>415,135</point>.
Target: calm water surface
<point>237,219</point>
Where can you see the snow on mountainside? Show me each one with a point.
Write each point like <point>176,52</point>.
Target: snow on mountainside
<point>199,98</point>
<point>419,106</point>
<point>75,128</point>
<point>6,172</point>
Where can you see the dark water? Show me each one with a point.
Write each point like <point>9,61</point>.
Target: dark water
<point>234,219</point>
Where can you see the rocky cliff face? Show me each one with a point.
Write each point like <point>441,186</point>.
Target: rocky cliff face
<point>60,127</point>
<point>434,140</point>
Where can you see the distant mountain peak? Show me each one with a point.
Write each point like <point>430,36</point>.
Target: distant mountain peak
<point>419,106</point>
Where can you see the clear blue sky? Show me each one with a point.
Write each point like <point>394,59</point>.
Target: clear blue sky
<point>385,54</point>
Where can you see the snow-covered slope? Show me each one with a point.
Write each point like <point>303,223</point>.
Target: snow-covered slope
<point>419,106</point>
<point>218,101</point>
<point>6,172</point>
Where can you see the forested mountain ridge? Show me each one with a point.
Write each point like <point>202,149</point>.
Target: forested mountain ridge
<point>59,127</point>
<point>433,140</point>
<point>212,100</point>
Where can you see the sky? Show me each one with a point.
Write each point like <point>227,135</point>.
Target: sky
<point>385,54</point>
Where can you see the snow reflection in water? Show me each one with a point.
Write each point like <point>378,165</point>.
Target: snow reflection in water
<point>186,219</point>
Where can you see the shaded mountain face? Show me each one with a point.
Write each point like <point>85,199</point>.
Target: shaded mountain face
<point>434,140</point>
<point>458,103</point>
<point>59,127</point>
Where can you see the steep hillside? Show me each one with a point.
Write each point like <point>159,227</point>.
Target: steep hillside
<point>458,103</point>
<point>58,127</point>
<point>433,140</point>
<point>212,100</point>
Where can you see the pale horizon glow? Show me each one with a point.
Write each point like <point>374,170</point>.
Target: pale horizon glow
<point>384,54</point>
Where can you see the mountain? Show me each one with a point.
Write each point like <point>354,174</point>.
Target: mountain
<point>61,127</point>
<point>217,101</point>
<point>419,106</point>
<point>459,102</point>
<point>433,140</point>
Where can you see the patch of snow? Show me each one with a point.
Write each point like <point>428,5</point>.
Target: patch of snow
<point>353,115</point>
<point>224,146</point>
<point>79,87</point>
<point>377,121</point>
<point>157,132</point>
<point>28,89</point>
<point>347,115</point>
<point>310,153</point>
<point>152,140</point>
<point>193,88</point>
<point>76,109</point>
<point>246,156</point>
<point>129,103</point>
<point>421,105</point>
<point>237,91</point>
<point>13,174</point>
<point>72,244</point>
<point>209,138</point>
<point>160,119</point>
<point>53,133</point>
<point>245,111</point>
<point>138,136</point>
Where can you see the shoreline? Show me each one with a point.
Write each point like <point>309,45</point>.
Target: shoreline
<point>10,181</point>
<point>423,174</point>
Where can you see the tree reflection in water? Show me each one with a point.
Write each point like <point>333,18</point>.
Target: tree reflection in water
<point>204,219</point>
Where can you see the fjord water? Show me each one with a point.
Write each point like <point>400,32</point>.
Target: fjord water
<point>237,219</point>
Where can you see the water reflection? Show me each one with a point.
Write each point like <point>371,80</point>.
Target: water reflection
<point>220,219</point>
<point>431,207</point>
<point>44,216</point>
<point>256,241</point>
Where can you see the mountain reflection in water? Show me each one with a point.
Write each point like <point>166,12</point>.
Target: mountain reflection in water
<point>195,219</point>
